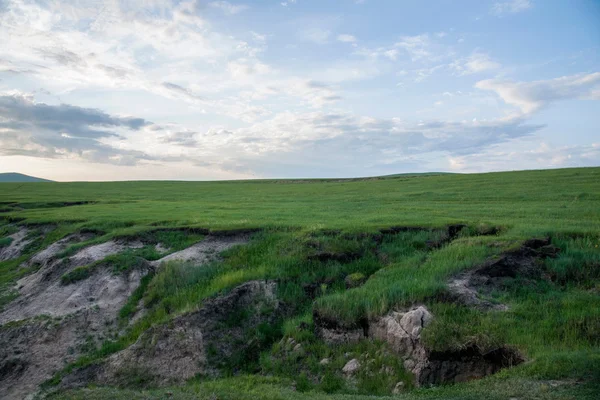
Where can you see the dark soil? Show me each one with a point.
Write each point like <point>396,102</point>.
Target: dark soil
<point>525,262</point>
<point>466,364</point>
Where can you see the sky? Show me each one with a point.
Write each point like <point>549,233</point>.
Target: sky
<point>205,90</point>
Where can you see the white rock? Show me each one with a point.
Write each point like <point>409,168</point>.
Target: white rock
<point>351,367</point>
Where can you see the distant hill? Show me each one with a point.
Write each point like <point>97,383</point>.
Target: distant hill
<point>16,177</point>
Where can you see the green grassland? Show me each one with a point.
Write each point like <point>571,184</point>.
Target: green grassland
<point>554,322</point>
<point>556,200</point>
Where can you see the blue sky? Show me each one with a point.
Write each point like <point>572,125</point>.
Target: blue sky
<point>160,89</point>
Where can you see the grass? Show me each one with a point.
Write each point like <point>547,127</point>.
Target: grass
<point>321,241</point>
<point>550,200</point>
<point>499,387</point>
<point>5,242</point>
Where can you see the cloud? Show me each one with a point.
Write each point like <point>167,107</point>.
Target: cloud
<point>237,107</point>
<point>70,119</point>
<point>511,7</point>
<point>369,143</point>
<point>345,38</point>
<point>53,131</point>
<point>290,144</point>
<point>416,46</point>
<point>181,138</point>
<point>94,45</point>
<point>227,7</point>
<point>422,74</point>
<point>474,64</point>
<point>180,90</point>
<point>523,154</point>
<point>530,97</point>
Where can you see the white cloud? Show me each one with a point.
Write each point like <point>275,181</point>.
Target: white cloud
<point>476,63</point>
<point>227,7</point>
<point>371,146</point>
<point>526,154</point>
<point>480,62</point>
<point>391,54</point>
<point>417,47</point>
<point>346,38</point>
<point>306,140</point>
<point>174,54</point>
<point>511,6</point>
<point>236,112</point>
<point>532,96</point>
<point>422,74</point>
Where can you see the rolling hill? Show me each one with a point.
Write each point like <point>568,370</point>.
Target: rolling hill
<point>16,177</point>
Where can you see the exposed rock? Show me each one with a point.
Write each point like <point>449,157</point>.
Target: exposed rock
<point>198,342</point>
<point>324,361</point>
<point>525,262</point>
<point>402,331</point>
<point>14,249</point>
<point>351,367</point>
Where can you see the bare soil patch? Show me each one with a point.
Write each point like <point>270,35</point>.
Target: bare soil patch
<point>204,251</point>
<point>525,262</point>
<point>51,324</point>
<point>16,246</point>
<point>195,343</point>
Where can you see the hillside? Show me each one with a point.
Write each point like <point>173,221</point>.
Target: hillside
<point>16,177</point>
<point>422,287</point>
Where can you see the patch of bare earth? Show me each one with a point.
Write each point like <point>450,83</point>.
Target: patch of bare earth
<point>204,251</point>
<point>401,330</point>
<point>526,262</point>
<point>195,343</point>
<point>51,324</point>
<point>16,246</point>
<point>42,292</point>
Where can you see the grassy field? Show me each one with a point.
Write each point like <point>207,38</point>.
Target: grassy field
<point>557,200</point>
<point>554,322</point>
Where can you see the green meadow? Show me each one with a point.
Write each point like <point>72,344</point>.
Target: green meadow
<point>554,322</point>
